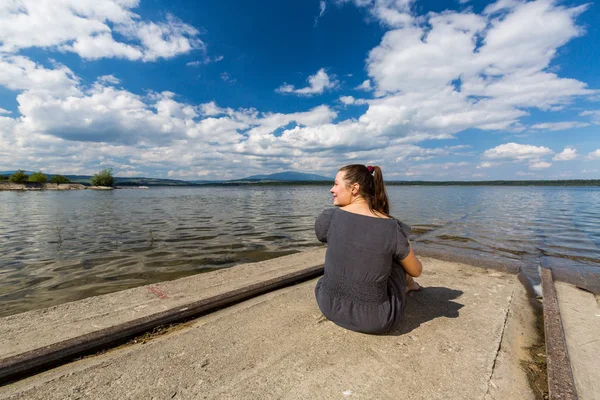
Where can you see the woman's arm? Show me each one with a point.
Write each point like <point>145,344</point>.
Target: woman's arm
<point>411,264</point>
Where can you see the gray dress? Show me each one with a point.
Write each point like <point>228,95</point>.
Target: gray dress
<point>363,287</point>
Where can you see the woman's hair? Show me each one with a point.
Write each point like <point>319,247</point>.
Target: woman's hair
<point>371,186</point>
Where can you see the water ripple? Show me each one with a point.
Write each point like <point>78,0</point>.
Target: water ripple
<point>63,246</point>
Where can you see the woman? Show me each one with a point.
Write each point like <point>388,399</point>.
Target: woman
<point>369,262</point>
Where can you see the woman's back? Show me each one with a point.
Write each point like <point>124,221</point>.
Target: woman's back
<point>363,285</point>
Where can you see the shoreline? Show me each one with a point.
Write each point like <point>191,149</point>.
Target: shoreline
<point>9,186</point>
<point>580,183</point>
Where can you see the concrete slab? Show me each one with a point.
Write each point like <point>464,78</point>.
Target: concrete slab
<point>278,345</point>
<point>38,328</point>
<point>580,312</point>
<point>514,355</point>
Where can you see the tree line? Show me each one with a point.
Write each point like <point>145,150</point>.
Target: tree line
<point>102,178</point>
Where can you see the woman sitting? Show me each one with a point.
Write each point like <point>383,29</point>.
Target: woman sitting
<point>369,262</point>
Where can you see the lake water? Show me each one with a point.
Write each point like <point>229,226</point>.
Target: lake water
<point>62,246</point>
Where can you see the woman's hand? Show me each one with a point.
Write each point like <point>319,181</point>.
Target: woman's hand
<point>411,264</point>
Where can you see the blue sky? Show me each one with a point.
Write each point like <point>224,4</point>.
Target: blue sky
<point>225,89</point>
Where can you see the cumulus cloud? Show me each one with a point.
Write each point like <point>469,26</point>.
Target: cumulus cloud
<point>431,77</point>
<point>516,151</point>
<point>567,154</point>
<point>594,155</point>
<point>3,111</point>
<point>317,84</point>
<point>18,73</point>
<point>88,28</point>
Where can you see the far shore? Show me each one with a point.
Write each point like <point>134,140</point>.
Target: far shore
<point>49,186</point>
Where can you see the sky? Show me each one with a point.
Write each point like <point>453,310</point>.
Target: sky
<point>224,89</point>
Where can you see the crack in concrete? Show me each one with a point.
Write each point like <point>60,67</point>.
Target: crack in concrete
<point>489,381</point>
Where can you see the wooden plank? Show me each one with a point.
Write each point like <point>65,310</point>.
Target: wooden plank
<point>561,384</point>
<point>34,361</point>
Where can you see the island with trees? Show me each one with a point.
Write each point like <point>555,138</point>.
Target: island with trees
<point>19,180</point>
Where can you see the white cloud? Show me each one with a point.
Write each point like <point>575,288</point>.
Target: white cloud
<point>108,80</point>
<point>502,5</point>
<point>560,126</point>
<point>189,174</point>
<point>540,165</point>
<point>567,154</point>
<point>19,73</point>
<point>433,76</point>
<point>516,151</point>
<point>486,164</point>
<point>414,59</point>
<point>393,13</point>
<point>317,84</point>
<point>322,8</point>
<point>466,66</point>
<point>87,28</point>
<point>594,114</point>
<point>350,100</point>
<point>366,86</point>
<point>531,174</point>
<point>129,174</point>
<point>103,114</point>
<point>347,100</point>
<point>102,45</point>
<point>206,60</point>
<point>594,155</point>
<point>227,78</point>
<point>3,111</point>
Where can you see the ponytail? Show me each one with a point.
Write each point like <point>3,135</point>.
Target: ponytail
<point>379,201</point>
<point>372,187</point>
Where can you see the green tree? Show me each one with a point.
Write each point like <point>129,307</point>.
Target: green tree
<point>103,178</point>
<point>38,177</point>
<point>19,177</point>
<point>3,178</point>
<point>59,179</point>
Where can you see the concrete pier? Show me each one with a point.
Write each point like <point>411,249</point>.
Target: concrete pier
<point>580,311</point>
<point>466,335</point>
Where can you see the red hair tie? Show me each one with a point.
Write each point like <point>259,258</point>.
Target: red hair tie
<point>370,169</point>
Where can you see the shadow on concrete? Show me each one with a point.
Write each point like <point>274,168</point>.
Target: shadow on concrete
<point>428,304</point>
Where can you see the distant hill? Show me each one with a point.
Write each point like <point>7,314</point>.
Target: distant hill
<point>288,176</point>
<point>9,173</point>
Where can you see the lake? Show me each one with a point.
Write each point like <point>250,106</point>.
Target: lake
<point>63,246</point>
